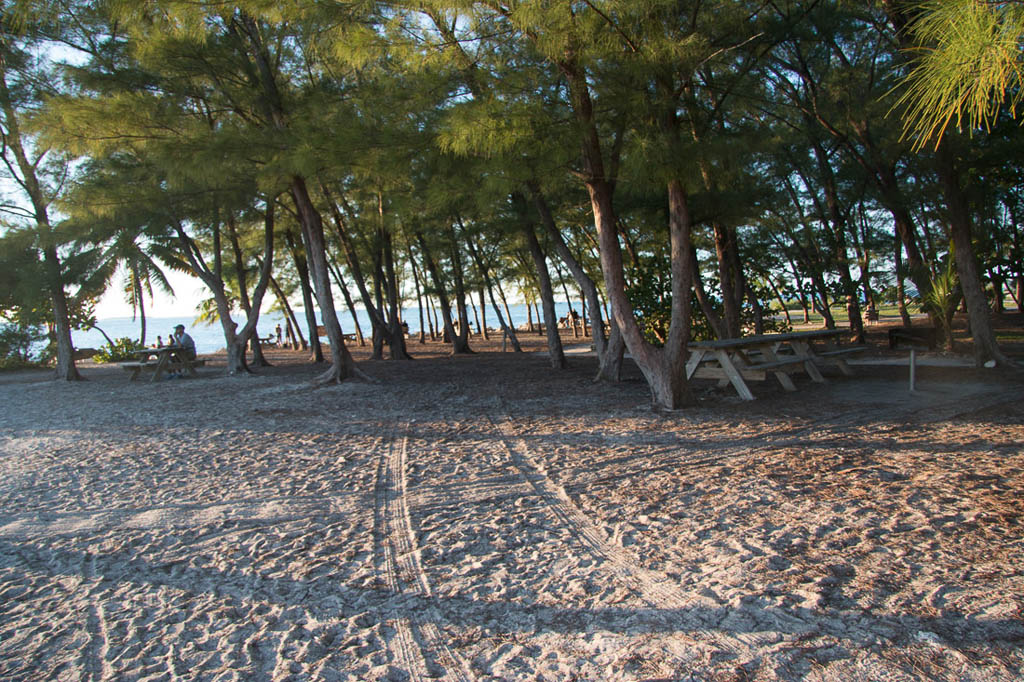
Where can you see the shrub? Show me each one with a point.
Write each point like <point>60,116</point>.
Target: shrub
<point>118,351</point>
<point>16,345</point>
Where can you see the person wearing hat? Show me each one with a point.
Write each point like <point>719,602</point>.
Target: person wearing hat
<point>182,339</point>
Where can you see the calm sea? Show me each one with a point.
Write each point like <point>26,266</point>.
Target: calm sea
<point>210,338</point>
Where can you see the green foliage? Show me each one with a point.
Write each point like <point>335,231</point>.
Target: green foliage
<point>16,343</point>
<point>943,298</point>
<point>651,301</point>
<point>968,66</point>
<point>118,351</point>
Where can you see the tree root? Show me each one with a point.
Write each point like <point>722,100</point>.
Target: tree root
<point>337,374</point>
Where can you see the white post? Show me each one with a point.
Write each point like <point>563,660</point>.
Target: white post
<point>913,367</point>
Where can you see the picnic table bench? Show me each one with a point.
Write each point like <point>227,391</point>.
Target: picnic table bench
<point>168,359</point>
<point>754,358</point>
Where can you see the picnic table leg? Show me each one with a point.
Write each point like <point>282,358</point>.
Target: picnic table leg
<point>694,361</point>
<point>840,362</point>
<point>161,366</point>
<point>784,380</point>
<point>735,378</point>
<point>803,350</point>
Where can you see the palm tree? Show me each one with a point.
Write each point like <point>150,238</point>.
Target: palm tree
<point>141,257</point>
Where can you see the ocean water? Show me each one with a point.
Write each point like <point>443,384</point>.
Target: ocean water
<point>210,338</point>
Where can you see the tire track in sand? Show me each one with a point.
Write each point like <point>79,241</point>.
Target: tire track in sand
<point>653,588</point>
<point>97,651</point>
<point>418,644</point>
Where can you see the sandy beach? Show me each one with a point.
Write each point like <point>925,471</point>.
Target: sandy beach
<point>487,518</point>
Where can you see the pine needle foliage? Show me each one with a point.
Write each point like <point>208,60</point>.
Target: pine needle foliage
<point>967,67</point>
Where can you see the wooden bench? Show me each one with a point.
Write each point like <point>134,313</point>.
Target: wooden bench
<point>780,362</point>
<point>137,367</point>
<point>841,351</point>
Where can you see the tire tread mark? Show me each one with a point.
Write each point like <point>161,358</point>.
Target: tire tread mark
<point>650,586</point>
<point>421,648</point>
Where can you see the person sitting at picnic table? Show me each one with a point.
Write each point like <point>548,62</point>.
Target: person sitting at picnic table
<point>182,339</point>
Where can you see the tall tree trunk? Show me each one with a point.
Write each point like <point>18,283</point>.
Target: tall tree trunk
<point>398,349</point>
<point>302,269</point>
<point>297,340</point>
<point>459,345</point>
<point>258,359</point>
<point>381,332</point>
<point>375,313</point>
<point>342,364</point>
<point>213,278</point>
<point>985,346</point>
<point>419,295</point>
<point>140,304</point>
<point>725,246</point>
<point>66,368</point>
<point>349,303</point>
<point>483,315</point>
<point>782,301</point>
<point>715,321</point>
<point>570,318</point>
<point>901,292</point>
<point>839,223</point>
<point>476,313</point>
<point>555,351</point>
<point>510,324</point>
<point>609,357</point>
<point>460,287</point>
<point>432,318</point>
<point>52,268</point>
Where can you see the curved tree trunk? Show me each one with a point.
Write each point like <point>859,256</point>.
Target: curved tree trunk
<point>302,269</point>
<point>460,291</point>
<point>379,329</point>
<point>291,323</point>
<point>349,303</point>
<point>139,302</point>
<point>398,348</point>
<point>342,365</point>
<point>66,368</point>
<point>485,275</point>
<point>609,355</point>
<point>715,320</point>
<point>258,359</point>
<point>985,346</point>
<point>547,295</point>
<point>459,345</point>
<point>610,361</point>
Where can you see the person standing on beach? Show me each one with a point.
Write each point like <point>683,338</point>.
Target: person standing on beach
<point>277,330</point>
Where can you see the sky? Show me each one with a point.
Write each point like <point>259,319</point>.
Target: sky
<point>188,292</point>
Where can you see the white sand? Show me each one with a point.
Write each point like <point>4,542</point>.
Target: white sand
<point>488,519</point>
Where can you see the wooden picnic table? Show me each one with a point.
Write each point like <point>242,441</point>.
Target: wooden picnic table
<point>739,360</point>
<point>168,358</point>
